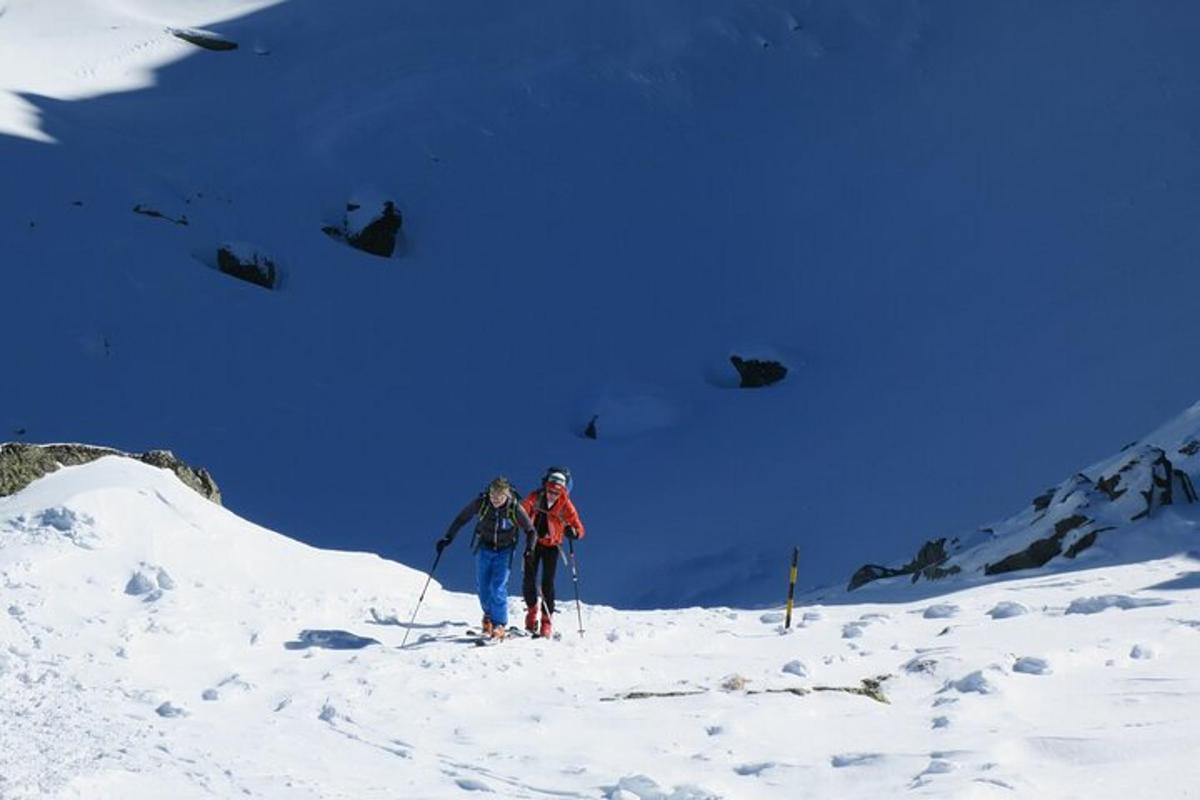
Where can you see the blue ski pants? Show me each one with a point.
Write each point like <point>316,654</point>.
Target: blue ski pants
<point>491,580</point>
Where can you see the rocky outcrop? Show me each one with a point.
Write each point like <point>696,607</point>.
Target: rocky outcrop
<point>1064,521</point>
<point>21,464</point>
<point>1153,478</point>
<point>927,564</point>
<point>755,373</point>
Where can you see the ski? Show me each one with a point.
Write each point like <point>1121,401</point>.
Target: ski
<point>486,641</point>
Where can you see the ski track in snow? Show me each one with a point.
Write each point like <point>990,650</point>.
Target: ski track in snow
<point>250,675</point>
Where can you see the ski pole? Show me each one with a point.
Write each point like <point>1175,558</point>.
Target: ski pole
<point>787,623</point>
<point>421,599</point>
<point>575,580</point>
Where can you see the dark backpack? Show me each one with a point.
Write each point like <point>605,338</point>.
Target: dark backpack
<point>514,498</point>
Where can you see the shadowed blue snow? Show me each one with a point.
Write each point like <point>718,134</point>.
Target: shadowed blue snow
<point>1188,580</point>
<point>329,640</point>
<point>964,250</point>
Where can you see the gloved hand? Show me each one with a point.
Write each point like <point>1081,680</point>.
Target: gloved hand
<point>442,543</point>
<point>571,533</point>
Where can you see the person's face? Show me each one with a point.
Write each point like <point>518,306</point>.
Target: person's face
<point>497,496</point>
<point>553,490</point>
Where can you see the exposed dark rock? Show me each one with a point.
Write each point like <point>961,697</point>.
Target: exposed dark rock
<point>1084,542</point>
<point>1033,556</point>
<point>755,373</point>
<point>153,212</point>
<point>925,564</point>
<point>209,41</point>
<point>590,431</point>
<point>868,573</point>
<point>1040,551</point>
<point>936,573</point>
<point>1190,448</point>
<point>379,237</point>
<point>256,269</point>
<point>1068,524</point>
<point>21,464</point>
<point>1155,477</point>
<point>1109,486</point>
<point>1042,501</point>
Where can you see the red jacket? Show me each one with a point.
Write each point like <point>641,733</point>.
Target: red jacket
<point>559,516</point>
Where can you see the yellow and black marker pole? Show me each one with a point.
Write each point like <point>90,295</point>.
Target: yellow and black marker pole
<point>787,622</point>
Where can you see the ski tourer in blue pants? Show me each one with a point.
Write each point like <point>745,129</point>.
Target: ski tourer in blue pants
<point>491,581</point>
<point>499,518</point>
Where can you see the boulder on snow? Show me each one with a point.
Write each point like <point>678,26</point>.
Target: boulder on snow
<point>756,373</point>
<point>247,264</point>
<point>21,464</point>
<point>377,235</point>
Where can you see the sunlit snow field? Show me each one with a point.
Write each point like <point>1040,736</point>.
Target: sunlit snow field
<point>199,680</point>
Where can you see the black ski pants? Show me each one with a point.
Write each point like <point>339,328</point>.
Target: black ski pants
<point>547,558</point>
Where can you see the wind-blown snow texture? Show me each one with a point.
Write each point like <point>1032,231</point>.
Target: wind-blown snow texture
<point>967,229</point>
<point>155,645</point>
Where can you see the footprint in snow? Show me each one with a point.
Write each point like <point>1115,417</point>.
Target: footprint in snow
<point>472,785</point>
<point>853,630</point>
<point>843,760</point>
<point>976,682</point>
<point>1141,652</point>
<point>936,766</point>
<point>169,711</point>
<point>796,667</point>
<point>754,769</point>
<point>641,787</point>
<point>1029,665</point>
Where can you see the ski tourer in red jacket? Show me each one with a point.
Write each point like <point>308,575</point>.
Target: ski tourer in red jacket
<point>554,517</point>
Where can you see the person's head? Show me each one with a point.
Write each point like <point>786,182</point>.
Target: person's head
<point>499,490</point>
<point>555,485</point>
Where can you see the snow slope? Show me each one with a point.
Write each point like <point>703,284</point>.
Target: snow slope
<point>196,679</point>
<point>968,229</point>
